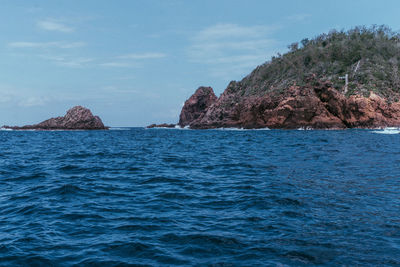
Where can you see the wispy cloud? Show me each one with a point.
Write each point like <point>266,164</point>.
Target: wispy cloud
<point>143,56</point>
<point>22,97</point>
<point>231,31</point>
<point>52,25</point>
<point>49,52</point>
<point>40,45</point>
<point>132,60</point>
<point>33,101</point>
<point>76,62</point>
<point>116,64</point>
<point>69,61</point>
<point>231,49</point>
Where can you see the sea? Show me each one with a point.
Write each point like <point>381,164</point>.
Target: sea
<point>178,197</point>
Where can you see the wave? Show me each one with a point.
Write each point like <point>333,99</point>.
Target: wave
<point>120,129</point>
<point>388,130</point>
<point>177,127</point>
<point>305,128</point>
<point>41,130</point>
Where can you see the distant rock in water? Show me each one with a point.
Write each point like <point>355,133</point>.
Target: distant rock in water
<point>162,125</point>
<point>77,118</point>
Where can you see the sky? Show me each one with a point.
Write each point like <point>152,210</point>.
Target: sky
<point>134,63</point>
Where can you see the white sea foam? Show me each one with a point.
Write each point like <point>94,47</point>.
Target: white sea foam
<point>5,129</point>
<point>119,128</point>
<point>230,129</point>
<point>177,127</point>
<point>388,130</point>
<point>181,128</point>
<point>305,128</point>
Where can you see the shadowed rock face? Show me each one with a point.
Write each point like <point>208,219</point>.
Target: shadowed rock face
<point>196,106</point>
<point>315,105</point>
<point>77,118</point>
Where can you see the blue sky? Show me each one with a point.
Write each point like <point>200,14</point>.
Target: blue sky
<point>135,62</point>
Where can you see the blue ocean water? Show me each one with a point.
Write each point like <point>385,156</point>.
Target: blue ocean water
<point>209,197</point>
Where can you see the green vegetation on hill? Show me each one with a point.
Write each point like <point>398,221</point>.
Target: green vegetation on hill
<point>370,57</point>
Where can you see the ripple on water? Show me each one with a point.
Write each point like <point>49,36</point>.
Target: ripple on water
<point>171,197</point>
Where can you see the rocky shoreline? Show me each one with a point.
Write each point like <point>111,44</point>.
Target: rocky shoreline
<point>76,118</point>
<point>315,105</point>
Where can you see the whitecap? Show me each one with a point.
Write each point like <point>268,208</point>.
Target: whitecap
<point>388,130</point>
<point>230,129</point>
<point>119,129</point>
<point>177,127</point>
<point>307,128</point>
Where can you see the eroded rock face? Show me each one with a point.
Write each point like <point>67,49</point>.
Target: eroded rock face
<point>196,106</point>
<point>316,105</point>
<point>77,118</point>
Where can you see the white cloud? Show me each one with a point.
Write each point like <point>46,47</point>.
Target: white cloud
<point>51,25</point>
<point>231,49</point>
<point>69,61</point>
<point>22,97</point>
<point>116,64</point>
<point>230,31</point>
<point>41,45</point>
<point>33,101</point>
<point>77,62</point>
<point>132,60</point>
<point>143,56</point>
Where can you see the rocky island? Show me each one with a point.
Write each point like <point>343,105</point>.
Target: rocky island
<point>77,118</point>
<point>334,81</point>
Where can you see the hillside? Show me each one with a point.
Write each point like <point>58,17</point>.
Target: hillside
<point>306,87</point>
<point>370,57</point>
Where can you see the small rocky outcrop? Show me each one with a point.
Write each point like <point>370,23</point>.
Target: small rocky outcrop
<point>197,105</point>
<point>162,125</point>
<point>77,118</point>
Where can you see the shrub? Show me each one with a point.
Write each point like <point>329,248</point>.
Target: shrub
<point>375,49</point>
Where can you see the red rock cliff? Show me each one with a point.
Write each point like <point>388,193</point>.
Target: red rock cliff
<point>315,105</point>
<point>196,106</point>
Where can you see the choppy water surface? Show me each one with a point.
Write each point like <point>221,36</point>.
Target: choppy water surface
<point>213,197</point>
